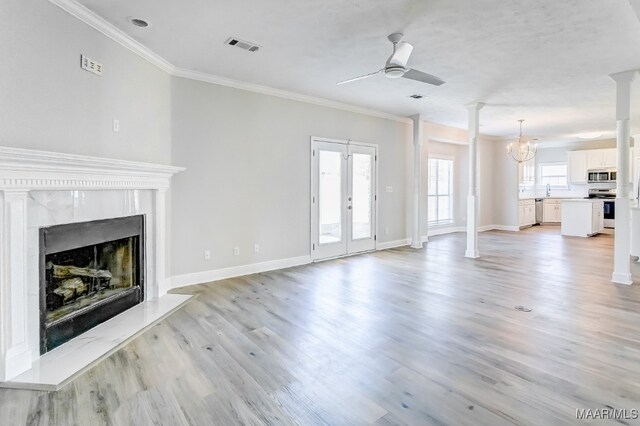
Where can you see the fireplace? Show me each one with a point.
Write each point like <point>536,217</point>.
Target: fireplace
<point>89,273</point>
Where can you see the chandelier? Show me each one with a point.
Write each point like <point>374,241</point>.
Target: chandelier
<point>521,150</point>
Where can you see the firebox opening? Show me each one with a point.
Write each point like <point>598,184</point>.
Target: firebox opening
<point>90,272</point>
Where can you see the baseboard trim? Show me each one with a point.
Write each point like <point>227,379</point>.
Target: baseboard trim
<point>236,271</point>
<point>504,228</point>
<point>183,280</point>
<point>452,229</point>
<point>392,244</point>
<point>446,230</point>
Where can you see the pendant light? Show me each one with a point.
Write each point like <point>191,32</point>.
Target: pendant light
<point>521,150</point>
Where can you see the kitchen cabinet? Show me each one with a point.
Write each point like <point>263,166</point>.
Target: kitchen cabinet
<point>527,172</point>
<point>601,158</point>
<point>635,231</point>
<point>578,166</point>
<point>582,217</point>
<point>597,217</point>
<point>581,161</point>
<point>551,211</point>
<point>526,213</point>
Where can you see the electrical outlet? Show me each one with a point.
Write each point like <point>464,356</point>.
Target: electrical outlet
<point>386,230</point>
<point>116,125</point>
<point>256,248</point>
<point>236,251</point>
<point>207,255</point>
<point>388,188</point>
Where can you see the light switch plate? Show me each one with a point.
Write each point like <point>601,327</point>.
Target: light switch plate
<point>90,65</point>
<point>116,125</point>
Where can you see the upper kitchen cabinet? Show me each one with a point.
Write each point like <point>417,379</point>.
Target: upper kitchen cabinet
<point>601,158</point>
<point>578,166</point>
<point>527,172</point>
<point>581,161</point>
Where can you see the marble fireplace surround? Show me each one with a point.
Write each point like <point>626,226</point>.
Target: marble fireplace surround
<point>39,188</point>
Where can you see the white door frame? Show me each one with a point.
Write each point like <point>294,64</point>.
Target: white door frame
<point>314,211</point>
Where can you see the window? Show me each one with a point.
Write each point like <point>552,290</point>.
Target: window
<point>440,191</point>
<point>554,174</point>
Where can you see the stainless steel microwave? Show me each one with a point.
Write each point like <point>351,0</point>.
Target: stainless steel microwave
<point>601,175</point>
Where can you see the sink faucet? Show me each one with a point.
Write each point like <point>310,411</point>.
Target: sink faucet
<point>548,190</point>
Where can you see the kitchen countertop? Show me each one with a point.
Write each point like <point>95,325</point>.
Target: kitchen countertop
<point>550,198</point>
<point>582,200</point>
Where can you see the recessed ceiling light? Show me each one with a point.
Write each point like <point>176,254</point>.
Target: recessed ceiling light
<point>139,22</point>
<point>593,135</point>
<point>416,96</point>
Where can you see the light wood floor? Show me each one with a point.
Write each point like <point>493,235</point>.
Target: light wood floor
<point>393,337</point>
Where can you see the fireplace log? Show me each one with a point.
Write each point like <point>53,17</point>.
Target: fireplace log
<point>70,288</point>
<point>60,272</point>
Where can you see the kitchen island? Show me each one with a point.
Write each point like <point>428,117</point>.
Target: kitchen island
<point>582,217</point>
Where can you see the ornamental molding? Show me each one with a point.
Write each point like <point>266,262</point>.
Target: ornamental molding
<point>27,170</point>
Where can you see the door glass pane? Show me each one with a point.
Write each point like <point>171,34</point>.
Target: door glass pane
<point>330,196</point>
<point>361,218</point>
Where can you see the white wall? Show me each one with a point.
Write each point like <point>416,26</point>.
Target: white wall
<point>504,186</point>
<point>248,169</point>
<point>48,102</point>
<point>560,154</point>
<point>247,154</point>
<point>457,149</point>
<point>460,156</point>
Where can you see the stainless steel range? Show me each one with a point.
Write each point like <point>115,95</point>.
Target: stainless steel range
<point>609,195</point>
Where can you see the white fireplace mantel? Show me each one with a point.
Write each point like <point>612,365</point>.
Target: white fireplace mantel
<point>23,171</point>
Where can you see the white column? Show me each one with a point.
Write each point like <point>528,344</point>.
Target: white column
<point>15,356</point>
<point>416,239</point>
<point>160,222</point>
<point>472,198</point>
<point>622,243</point>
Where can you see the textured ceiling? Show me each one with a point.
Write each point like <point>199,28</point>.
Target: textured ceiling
<point>547,61</point>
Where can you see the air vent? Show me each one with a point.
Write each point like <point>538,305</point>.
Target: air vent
<point>236,42</point>
<point>416,96</point>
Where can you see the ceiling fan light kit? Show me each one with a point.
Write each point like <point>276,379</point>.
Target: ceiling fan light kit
<point>396,65</point>
<point>522,150</point>
<point>394,72</point>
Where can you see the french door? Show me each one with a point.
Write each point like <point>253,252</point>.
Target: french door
<point>343,198</point>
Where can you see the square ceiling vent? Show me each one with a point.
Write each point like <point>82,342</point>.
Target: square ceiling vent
<point>246,45</point>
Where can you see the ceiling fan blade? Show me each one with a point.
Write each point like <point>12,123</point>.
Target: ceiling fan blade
<point>401,56</point>
<point>423,77</point>
<point>359,78</point>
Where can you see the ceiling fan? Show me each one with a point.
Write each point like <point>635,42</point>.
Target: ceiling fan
<point>396,65</point>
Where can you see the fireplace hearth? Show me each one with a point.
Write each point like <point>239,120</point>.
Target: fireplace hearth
<point>89,272</point>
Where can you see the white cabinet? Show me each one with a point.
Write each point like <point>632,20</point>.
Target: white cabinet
<point>601,158</point>
<point>578,166</point>
<point>526,213</point>
<point>551,211</point>
<point>597,217</point>
<point>527,172</point>
<point>635,231</point>
<point>582,218</point>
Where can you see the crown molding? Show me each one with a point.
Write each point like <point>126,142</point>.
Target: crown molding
<point>90,18</point>
<point>98,23</point>
<point>285,94</point>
